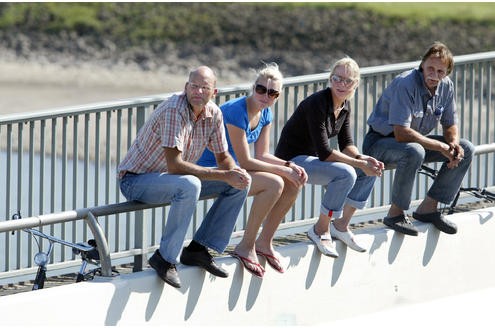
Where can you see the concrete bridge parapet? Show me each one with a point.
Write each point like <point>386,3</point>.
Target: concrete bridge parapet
<point>398,272</point>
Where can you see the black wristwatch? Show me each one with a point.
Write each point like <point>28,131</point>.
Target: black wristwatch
<point>288,163</point>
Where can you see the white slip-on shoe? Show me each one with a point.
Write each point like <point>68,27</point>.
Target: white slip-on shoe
<point>324,243</point>
<point>347,238</point>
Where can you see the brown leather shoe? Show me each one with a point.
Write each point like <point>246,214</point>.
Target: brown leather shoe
<point>164,269</point>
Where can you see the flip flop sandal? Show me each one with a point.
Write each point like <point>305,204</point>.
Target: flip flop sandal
<point>245,261</point>
<point>272,261</point>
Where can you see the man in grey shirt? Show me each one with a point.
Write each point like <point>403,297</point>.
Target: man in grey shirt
<point>409,109</point>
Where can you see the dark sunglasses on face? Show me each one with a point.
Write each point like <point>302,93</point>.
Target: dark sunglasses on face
<point>261,90</point>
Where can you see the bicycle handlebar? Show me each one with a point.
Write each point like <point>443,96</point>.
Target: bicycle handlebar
<point>80,247</point>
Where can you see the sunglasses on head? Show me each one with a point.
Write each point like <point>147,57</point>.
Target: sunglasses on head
<point>261,90</point>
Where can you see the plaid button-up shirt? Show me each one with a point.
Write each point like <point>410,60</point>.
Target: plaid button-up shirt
<point>173,125</point>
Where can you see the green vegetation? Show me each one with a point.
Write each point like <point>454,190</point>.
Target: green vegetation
<point>50,17</point>
<point>301,37</point>
<point>174,21</point>
<point>426,12</point>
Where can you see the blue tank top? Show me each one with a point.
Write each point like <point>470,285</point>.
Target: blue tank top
<point>235,113</point>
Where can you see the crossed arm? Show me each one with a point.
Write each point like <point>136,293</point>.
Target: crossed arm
<point>227,170</point>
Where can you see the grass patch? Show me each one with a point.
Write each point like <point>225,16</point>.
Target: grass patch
<point>144,19</point>
<point>455,11</point>
<point>417,11</point>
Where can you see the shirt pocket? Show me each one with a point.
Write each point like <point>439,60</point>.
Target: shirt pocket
<point>434,109</point>
<point>416,119</point>
<point>438,111</point>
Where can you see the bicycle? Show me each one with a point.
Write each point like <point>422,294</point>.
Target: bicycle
<point>480,193</point>
<point>88,252</point>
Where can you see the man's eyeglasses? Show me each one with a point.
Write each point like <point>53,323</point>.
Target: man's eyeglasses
<point>204,88</point>
<point>261,90</point>
<point>339,79</point>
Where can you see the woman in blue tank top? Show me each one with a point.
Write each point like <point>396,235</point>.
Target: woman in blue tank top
<point>275,182</point>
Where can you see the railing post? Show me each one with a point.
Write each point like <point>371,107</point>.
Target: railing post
<point>140,240</point>
<point>101,243</point>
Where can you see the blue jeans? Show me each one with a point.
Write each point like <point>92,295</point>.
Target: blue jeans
<point>183,192</point>
<point>408,158</point>
<point>344,184</point>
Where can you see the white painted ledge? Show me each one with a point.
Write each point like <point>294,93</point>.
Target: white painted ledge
<point>400,280</point>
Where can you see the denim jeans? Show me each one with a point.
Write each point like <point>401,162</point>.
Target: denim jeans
<point>408,158</point>
<point>183,192</point>
<point>344,184</point>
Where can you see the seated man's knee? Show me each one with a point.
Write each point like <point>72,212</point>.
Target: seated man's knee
<point>469,149</point>
<point>189,184</point>
<point>414,154</point>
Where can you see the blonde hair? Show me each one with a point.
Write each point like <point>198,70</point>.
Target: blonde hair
<point>270,71</point>
<point>351,65</point>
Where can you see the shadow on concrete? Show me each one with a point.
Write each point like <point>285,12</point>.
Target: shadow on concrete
<point>235,287</point>
<point>395,246</point>
<point>198,276</point>
<point>313,267</point>
<point>121,297</point>
<point>432,237</point>
<point>379,239</point>
<point>484,216</point>
<point>338,263</point>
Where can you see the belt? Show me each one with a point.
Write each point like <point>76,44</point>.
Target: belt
<point>124,173</point>
<point>391,135</point>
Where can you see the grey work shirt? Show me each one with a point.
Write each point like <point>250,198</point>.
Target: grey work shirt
<point>408,102</point>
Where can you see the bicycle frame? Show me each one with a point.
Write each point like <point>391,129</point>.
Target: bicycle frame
<point>477,192</point>
<point>88,253</point>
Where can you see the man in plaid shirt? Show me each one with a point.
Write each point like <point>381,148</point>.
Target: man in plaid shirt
<point>160,168</point>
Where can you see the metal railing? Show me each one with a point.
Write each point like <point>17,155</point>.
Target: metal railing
<point>64,160</point>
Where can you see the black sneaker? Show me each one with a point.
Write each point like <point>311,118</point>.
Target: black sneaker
<point>164,269</point>
<point>438,220</point>
<point>202,259</point>
<point>402,224</point>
